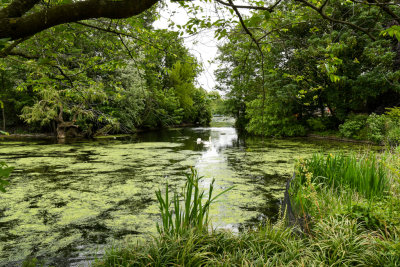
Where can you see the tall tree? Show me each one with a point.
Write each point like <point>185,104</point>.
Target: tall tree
<point>309,64</point>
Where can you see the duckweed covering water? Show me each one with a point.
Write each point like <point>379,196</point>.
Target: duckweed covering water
<point>66,200</point>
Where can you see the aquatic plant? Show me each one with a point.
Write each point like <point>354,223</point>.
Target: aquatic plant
<point>365,174</point>
<point>192,212</point>
<point>364,188</point>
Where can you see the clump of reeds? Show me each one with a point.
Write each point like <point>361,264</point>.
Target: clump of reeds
<point>362,187</point>
<point>188,210</point>
<point>364,174</point>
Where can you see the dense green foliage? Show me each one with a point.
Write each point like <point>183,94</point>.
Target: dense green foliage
<point>337,241</point>
<point>307,73</point>
<point>366,175</point>
<point>78,80</point>
<point>218,104</point>
<point>381,129</point>
<point>364,188</point>
<point>294,72</point>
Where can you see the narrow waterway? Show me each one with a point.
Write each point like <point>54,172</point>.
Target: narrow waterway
<point>66,202</point>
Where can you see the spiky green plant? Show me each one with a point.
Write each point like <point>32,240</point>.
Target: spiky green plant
<point>365,174</point>
<point>190,212</point>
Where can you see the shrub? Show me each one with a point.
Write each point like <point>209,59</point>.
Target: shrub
<point>316,124</point>
<point>376,125</point>
<point>394,114</point>
<point>352,127</point>
<point>393,136</point>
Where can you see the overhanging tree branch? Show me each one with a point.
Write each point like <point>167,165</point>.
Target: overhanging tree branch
<point>230,4</point>
<point>17,8</point>
<point>20,27</point>
<point>325,16</point>
<point>119,33</point>
<point>261,54</point>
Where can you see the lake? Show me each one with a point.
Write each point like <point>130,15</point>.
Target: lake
<point>67,202</point>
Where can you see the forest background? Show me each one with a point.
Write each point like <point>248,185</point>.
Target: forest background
<point>286,69</point>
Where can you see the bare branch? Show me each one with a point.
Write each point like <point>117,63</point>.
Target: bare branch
<point>230,4</point>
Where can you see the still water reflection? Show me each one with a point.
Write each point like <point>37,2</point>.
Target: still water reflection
<point>67,201</point>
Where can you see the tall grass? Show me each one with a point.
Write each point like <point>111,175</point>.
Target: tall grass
<point>366,174</point>
<point>363,188</point>
<point>186,211</point>
<point>337,241</point>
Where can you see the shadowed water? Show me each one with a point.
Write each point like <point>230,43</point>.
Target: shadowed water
<point>66,202</point>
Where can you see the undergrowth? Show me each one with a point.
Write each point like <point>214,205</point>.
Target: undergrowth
<point>337,235</point>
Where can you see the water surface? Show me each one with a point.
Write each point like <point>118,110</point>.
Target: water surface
<point>66,202</point>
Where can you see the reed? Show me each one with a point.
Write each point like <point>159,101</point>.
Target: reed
<point>365,174</point>
<point>187,210</point>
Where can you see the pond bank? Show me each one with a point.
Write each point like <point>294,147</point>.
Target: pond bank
<point>339,139</point>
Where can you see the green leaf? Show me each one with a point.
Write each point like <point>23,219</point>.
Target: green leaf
<point>267,15</point>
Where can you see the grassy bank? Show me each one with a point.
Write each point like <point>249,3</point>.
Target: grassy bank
<point>365,188</point>
<point>351,205</point>
<point>336,241</point>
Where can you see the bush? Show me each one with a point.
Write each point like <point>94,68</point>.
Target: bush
<point>274,120</point>
<point>316,124</point>
<point>394,114</point>
<point>393,136</point>
<point>353,126</point>
<point>376,125</point>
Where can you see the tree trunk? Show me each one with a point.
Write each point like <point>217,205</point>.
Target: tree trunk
<point>60,132</point>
